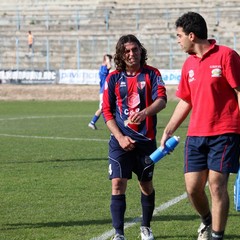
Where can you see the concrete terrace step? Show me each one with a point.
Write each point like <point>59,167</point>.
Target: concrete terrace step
<point>94,27</point>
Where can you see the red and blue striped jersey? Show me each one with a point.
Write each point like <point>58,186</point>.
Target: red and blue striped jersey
<point>125,94</point>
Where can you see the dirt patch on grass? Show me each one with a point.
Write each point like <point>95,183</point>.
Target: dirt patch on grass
<point>58,92</point>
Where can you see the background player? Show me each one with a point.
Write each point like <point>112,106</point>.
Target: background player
<point>103,72</point>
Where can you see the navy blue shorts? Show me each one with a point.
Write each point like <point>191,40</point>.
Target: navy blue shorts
<point>218,153</point>
<point>123,163</point>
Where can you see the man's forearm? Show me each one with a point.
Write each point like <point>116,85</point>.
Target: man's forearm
<point>155,107</point>
<point>114,129</point>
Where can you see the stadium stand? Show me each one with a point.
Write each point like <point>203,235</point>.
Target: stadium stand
<point>75,34</point>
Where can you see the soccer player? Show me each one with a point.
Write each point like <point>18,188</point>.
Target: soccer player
<point>134,93</point>
<point>210,89</point>
<point>103,72</point>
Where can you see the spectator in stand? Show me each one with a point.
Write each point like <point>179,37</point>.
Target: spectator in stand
<point>30,42</point>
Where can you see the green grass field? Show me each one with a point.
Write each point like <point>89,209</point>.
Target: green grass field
<point>54,178</point>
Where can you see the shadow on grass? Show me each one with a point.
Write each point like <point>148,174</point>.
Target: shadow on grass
<point>54,224</point>
<point>57,160</point>
<point>93,222</point>
<point>160,218</point>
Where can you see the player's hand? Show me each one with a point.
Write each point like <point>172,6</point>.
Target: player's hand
<point>164,138</point>
<point>137,117</point>
<point>108,62</point>
<point>127,143</point>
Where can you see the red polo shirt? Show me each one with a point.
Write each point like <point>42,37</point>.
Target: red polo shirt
<point>207,84</point>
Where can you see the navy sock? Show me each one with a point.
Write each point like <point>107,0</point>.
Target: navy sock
<point>207,220</point>
<point>118,208</point>
<point>94,119</point>
<point>148,204</point>
<point>217,235</point>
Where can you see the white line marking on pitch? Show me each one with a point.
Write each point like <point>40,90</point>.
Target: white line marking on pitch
<point>162,207</point>
<point>54,138</point>
<point>110,233</point>
<point>40,117</point>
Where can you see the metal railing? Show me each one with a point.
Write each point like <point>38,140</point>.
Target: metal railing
<point>78,38</point>
<point>163,52</point>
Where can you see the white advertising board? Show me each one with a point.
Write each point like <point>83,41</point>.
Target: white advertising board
<point>86,76</point>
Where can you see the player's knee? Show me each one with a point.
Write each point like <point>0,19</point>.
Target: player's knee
<point>146,187</point>
<point>119,185</point>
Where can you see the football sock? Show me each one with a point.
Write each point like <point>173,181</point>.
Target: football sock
<point>118,207</point>
<point>207,220</point>
<point>148,204</point>
<point>217,235</point>
<point>94,119</point>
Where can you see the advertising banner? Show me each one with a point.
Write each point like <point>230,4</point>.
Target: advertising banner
<point>28,76</point>
<point>85,76</point>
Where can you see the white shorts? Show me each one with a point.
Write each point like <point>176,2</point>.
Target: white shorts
<point>100,100</point>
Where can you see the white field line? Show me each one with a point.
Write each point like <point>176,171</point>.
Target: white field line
<point>110,233</point>
<point>53,116</point>
<point>162,207</point>
<point>54,138</point>
<point>40,117</point>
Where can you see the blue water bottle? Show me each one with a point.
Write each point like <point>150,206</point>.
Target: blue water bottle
<point>237,192</point>
<point>160,152</point>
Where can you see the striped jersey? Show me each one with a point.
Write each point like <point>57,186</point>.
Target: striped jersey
<point>125,94</point>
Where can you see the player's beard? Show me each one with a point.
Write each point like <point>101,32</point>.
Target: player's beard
<point>133,63</point>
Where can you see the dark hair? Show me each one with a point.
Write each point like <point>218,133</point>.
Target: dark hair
<point>193,22</point>
<point>109,56</point>
<point>120,51</point>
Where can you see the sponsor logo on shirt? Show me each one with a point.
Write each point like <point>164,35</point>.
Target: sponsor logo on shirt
<point>160,81</point>
<point>123,84</point>
<point>191,76</point>
<point>133,100</point>
<point>128,112</point>
<point>133,103</point>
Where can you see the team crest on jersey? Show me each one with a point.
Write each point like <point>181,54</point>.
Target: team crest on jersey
<point>160,81</point>
<point>141,85</point>
<point>150,174</point>
<point>216,72</point>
